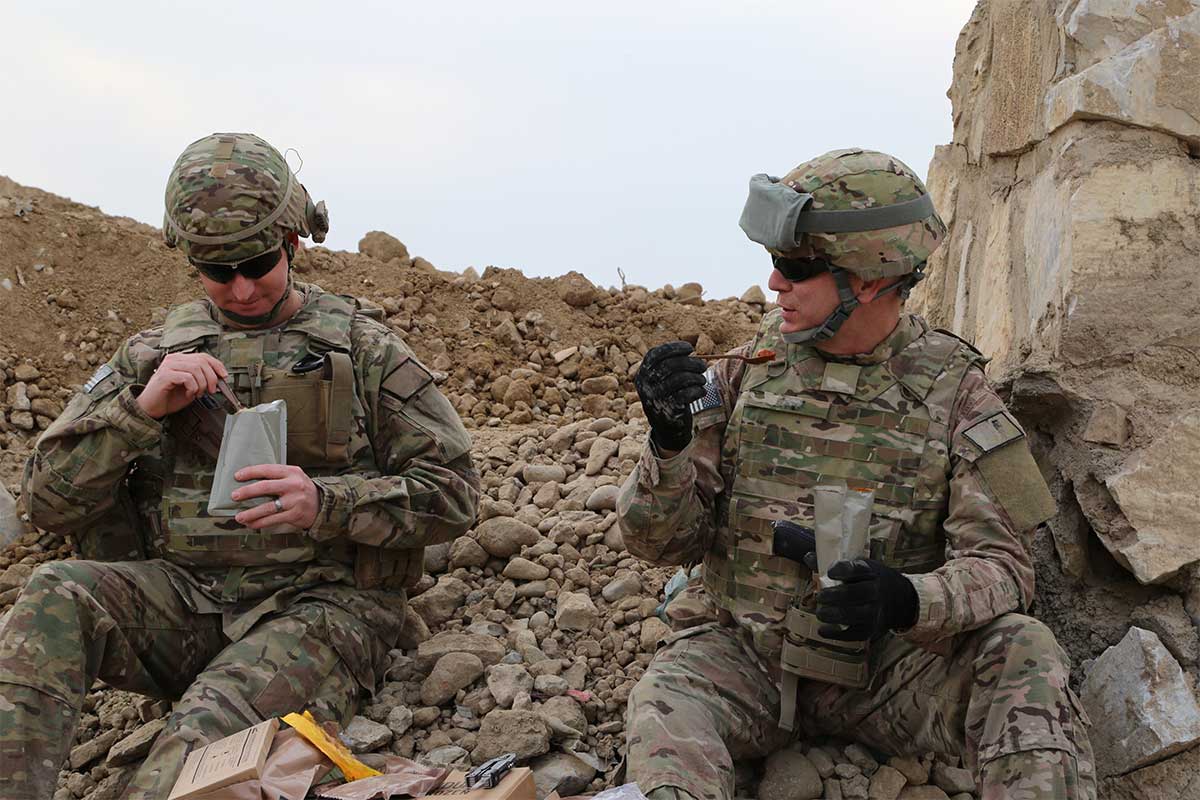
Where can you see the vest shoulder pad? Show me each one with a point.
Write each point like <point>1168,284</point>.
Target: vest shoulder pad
<point>977,355</point>
<point>187,324</point>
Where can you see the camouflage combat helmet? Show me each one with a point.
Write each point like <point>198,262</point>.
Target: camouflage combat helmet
<point>232,196</point>
<point>847,211</point>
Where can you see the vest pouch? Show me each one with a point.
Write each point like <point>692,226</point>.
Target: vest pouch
<point>809,655</point>
<point>320,410</point>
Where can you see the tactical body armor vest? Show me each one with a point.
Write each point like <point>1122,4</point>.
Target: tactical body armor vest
<point>800,421</point>
<point>307,363</point>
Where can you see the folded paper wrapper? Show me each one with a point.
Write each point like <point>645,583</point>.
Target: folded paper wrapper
<point>252,436</point>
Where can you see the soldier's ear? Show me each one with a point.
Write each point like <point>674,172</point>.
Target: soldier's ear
<point>866,291</point>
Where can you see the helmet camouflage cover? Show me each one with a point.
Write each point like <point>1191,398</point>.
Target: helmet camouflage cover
<point>232,196</point>
<point>855,179</point>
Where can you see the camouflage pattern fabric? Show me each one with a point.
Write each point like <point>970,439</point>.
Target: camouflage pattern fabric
<point>128,625</point>
<point>843,180</point>
<point>232,196</point>
<point>686,508</point>
<point>100,471</point>
<point>707,700</point>
<point>801,420</point>
<point>409,481</point>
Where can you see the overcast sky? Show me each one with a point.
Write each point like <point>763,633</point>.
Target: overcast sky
<point>546,136</point>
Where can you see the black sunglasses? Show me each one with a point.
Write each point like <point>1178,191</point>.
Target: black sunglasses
<point>796,270</point>
<point>252,268</point>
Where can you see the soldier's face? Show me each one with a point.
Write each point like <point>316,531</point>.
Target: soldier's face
<point>249,297</point>
<point>805,304</point>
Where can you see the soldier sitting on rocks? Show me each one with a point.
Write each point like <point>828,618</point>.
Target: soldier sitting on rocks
<point>856,398</point>
<point>293,603</point>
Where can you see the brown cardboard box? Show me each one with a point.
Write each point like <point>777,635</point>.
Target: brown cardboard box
<point>517,784</point>
<point>235,758</point>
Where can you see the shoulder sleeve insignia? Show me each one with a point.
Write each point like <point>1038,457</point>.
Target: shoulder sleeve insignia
<point>712,393</point>
<point>407,380</point>
<point>994,431</point>
<point>97,378</point>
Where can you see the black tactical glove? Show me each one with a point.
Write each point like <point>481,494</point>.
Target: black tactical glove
<point>668,382</point>
<point>872,599</point>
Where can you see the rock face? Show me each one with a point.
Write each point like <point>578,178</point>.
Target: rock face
<point>1141,706</point>
<point>1070,190</point>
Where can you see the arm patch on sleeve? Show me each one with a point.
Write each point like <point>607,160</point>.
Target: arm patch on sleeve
<point>98,377</point>
<point>994,431</point>
<point>712,394</point>
<point>1016,484</point>
<point>407,380</point>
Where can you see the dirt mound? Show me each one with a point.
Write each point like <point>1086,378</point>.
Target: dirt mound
<point>75,282</point>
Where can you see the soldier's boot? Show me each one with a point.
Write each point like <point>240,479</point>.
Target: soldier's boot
<point>1026,731</point>
<point>284,664</point>
<point>60,636</point>
<point>703,702</point>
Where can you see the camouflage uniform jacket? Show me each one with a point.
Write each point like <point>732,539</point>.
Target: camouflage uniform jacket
<point>98,473</point>
<point>671,509</point>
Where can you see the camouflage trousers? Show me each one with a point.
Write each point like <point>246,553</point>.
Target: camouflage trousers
<point>1000,700</point>
<point>125,623</point>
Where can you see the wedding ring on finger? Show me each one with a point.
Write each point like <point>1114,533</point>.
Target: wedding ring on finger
<point>278,505</point>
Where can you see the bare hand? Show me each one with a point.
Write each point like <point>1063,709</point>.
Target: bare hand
<point>295,491</point>
<point>180,379</point>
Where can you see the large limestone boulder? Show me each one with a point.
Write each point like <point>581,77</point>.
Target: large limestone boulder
<point>1140,704</point>
<point>383,246</point>
<point>1157,490</point>
<point>1070,191</point>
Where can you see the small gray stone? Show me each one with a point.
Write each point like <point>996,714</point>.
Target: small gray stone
<point>544,473</point>
<point>598,456</point>
<point>522,569</point>
<point>520,732</point>
<point>489,650</point>
<point>438,604</point>
<point>503,537</point>
<point>466,552</point>
<point>449,756</point>
<point>452,672</point>
<point>562,773</point>
<point>623,585</point>
<point>856,788</point>
<point>823,761</point>
<point>576,612</point>
<point>399,720</point>
<point>790,775</point>
<point>886,784</point>
<point>915,771</point>
<point>87,752</point>
<point>567,712</point>
<point>550,685</point>
<point>136,745</point>
<point>862,759</point>
<point>364,736</point>
<point>506,681</point>
<point>603,498</point>
<point>952,780</point>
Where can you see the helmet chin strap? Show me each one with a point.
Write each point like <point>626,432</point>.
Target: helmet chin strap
<point>847,302</point>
